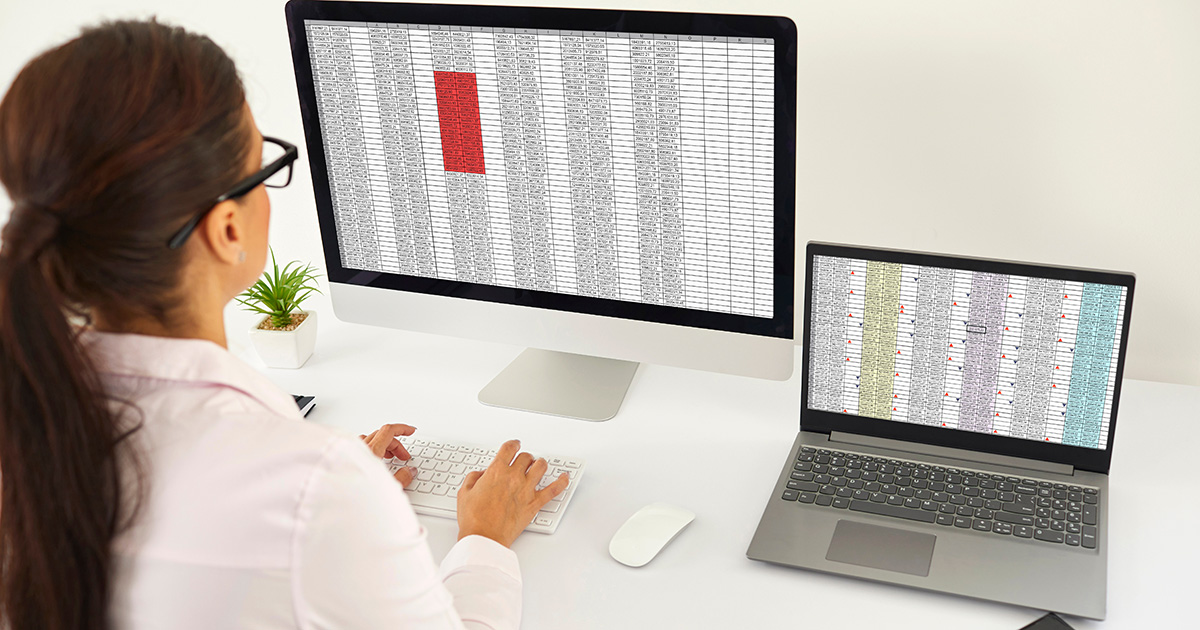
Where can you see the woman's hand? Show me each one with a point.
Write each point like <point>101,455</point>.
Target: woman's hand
<point>500,502</point>
<point>383,444</point>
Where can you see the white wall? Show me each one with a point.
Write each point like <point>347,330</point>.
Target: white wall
<point>1059,132</point>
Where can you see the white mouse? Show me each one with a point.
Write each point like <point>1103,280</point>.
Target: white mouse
<point>647,532</point>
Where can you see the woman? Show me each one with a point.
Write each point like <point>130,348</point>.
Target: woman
<point>148,478</point>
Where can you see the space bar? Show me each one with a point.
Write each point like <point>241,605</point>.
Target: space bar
<point>884,509</point>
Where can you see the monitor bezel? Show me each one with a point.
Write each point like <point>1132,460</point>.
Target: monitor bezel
<point>783,30</point>
<point>1083,458</point>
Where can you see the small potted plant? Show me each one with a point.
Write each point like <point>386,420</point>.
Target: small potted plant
<point>285,336</point>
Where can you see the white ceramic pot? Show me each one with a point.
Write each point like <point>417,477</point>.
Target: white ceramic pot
<point>286,348</point>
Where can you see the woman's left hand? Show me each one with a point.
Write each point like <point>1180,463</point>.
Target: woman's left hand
<point>383,443</point>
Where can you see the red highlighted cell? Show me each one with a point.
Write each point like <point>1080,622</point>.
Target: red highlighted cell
<point>458,120</point>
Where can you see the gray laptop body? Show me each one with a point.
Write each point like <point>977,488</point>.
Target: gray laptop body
<point>957,421</point>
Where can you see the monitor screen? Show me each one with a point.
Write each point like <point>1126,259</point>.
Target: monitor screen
<point>629,164</point>
<point>1007,355</point>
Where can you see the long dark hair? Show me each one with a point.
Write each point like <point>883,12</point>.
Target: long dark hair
<point>108,144</point>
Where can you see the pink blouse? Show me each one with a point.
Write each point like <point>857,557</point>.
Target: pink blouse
<point>254,518</point>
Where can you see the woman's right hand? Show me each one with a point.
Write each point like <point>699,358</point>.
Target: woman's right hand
<point>501,501</point>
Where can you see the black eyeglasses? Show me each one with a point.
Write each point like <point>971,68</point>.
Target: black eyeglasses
<point>277,174</point>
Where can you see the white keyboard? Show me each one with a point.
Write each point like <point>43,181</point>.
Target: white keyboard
<point>442,466</point>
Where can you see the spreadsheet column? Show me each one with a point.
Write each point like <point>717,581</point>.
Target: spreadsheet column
<point>624,165</point>
<point>381,157</point>
<point>716,173</point>
<point>596,106</point>
<point>489,56</point>
<point>535,111</point>
<point>764,178</point>
<point>649,210</point>
<point>372,203</point>
<point>507,117</point>
<point>691,131</point>
<point>741,174</point>
<point>421,45</point>
<point>666,87</point>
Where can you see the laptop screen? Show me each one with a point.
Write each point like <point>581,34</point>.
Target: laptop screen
<point>1011,355</point>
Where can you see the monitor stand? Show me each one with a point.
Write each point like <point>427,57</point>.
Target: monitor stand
<point>561,384</point>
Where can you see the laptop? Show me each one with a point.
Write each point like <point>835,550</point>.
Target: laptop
<point>956,427</point>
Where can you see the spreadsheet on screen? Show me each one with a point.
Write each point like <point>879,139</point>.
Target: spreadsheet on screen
<point>1018,356</point>
<point>626,166</point>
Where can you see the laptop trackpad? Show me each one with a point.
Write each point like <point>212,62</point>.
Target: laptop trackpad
<point>881,547</point>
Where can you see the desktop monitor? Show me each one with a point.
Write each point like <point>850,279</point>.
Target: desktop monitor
<point>604,187</point>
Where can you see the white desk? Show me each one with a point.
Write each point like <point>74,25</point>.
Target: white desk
<point>714,444</point>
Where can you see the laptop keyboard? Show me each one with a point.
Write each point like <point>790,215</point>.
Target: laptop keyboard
<point>1000,505</point>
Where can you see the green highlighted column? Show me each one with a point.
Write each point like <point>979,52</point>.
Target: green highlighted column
<point>879,340</point>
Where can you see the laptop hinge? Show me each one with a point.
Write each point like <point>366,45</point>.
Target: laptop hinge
<point>953,453</point>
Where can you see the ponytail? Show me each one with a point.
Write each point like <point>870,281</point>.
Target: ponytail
<point>59,467</point>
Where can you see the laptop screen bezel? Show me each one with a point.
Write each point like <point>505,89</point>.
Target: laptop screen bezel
<point>1084,458</point>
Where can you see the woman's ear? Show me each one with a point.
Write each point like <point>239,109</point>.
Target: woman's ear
<point>223,232</point>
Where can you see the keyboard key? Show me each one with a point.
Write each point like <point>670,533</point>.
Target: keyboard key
<point>1003,529</point>
<point>1022,531</point>
<point>424,487</point>
<point>823,499</point>
<point>981,525</point>
<point>440,489</point>
<point>807,497</point>
<point>805,486</point>
<point>1089,514</point>
<point>1073,540</point>
<point>841,503</point>
<point>945,519</point>
<point>1015,519</point>
<point>962,521</point>
<point>1089,537</point>
<point>892,510</point>
<point>1048,535</point>
<point>1019,508</point>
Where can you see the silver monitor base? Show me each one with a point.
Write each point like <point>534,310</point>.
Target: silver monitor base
<point>561,384</point>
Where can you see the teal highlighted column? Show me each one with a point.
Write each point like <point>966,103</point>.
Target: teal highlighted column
<point>1091,364</point>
